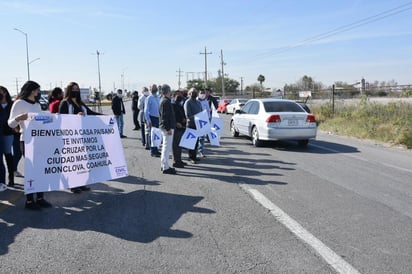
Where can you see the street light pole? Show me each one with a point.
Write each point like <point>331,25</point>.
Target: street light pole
<point>27,52</point>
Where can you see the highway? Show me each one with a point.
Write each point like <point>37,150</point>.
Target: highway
<point>341,205</point>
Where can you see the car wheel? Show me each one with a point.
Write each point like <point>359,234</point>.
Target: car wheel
<point>303,143</point>
<point>255,137</point>
<point>233,130</point>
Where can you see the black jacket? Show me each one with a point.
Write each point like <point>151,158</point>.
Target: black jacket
<point>4,116</point>
<point>167,118</point>
<point>135,101</point>
<point>118,106</point>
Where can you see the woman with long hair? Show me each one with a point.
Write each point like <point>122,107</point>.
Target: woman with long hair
<point>72,104</point>
<point>27,101</point>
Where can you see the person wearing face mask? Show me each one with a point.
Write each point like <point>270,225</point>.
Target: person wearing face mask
<point>192,107</point>
<point>119,111</point>
<point>205,106</point>
<point>72,104</point>
<point>140,106</point>
<point>27,101</point>
<point>6,139</point>
<point>135,109</point>
<point>179,130</point>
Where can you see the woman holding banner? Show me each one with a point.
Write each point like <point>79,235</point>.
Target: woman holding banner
<point>72,104</point>
<point>27,101</point>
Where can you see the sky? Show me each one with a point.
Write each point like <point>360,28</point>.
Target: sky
<point>146,42</point>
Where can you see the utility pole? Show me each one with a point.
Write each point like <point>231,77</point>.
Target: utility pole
<point>27,52</point>
<point>178,83</point>
<point>205,53</point>
<point>100,82</point>
<point>223,73</point>
<point>17,85</point>
<point>241,85</point>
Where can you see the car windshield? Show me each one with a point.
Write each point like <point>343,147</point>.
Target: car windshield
<point>280,106</point>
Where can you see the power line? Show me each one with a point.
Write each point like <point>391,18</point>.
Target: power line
<point>338,30</point>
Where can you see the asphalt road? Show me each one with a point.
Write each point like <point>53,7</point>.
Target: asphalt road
<point>337,197</point>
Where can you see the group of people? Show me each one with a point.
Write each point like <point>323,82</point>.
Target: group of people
<point>171,112</point>
<point>159,107</point>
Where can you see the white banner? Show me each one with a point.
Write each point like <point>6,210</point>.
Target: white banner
<point>66,151</point>
<point>189,138</point>
<point>214,138</point>
<point>217,124</point>
<point>214,111</point>
<point>202,123</point>
<point>156,136</point>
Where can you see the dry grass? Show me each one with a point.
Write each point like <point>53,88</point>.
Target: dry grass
<point>389,123</point>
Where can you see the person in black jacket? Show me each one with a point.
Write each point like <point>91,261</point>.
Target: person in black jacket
<point>135,109</point>
<point>179,130</point>
<point>167,123</point>
<point>119,111</point>
<point>72,104</point>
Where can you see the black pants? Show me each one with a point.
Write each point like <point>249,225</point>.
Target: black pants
<point>177,150</point>
<point>135,120</point>
<point>30,197</point>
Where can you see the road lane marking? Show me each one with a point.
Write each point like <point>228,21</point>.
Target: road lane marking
<point>333,259</point>
<point>361,158</point>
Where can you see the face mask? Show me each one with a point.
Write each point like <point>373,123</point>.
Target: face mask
<point>37,98</point>
<point>120,95</point>
<point>146,93</point>
<point>75,94</point>
<point>1,96</point>
<point>202,96</point>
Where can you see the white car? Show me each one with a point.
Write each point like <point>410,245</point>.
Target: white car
<point>272,120</point>
<point>235,104</point>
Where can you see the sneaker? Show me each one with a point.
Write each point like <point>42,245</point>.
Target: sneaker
<point>18,174</point>
<point>43,203</point>
<point>3,187</point>
<point>193,161</point>
<point>179,165</point>
<point>32,206</point>
<point>169,171</point>
<point>84,188</point>
<point>155,155</point>
<point>123,136</point>
<point>201,154</point>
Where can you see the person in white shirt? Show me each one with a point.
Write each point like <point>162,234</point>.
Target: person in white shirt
<point>27,101</point>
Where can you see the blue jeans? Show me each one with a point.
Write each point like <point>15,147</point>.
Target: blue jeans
<point>120,123</point>
<point>2,169</point>
<point>155,123</point>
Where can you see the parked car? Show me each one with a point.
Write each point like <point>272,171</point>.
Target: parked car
<point>44,102</point>
<point>221,108</point>
<point>235,104</point>
<point>272,120</point>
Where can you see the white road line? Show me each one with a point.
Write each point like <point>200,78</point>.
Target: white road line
<point>333,259</point>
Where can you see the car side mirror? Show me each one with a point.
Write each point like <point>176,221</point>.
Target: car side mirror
<point>238,111</point>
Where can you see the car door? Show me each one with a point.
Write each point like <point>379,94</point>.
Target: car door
<point>240,118</point>
<point>248,116</point>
